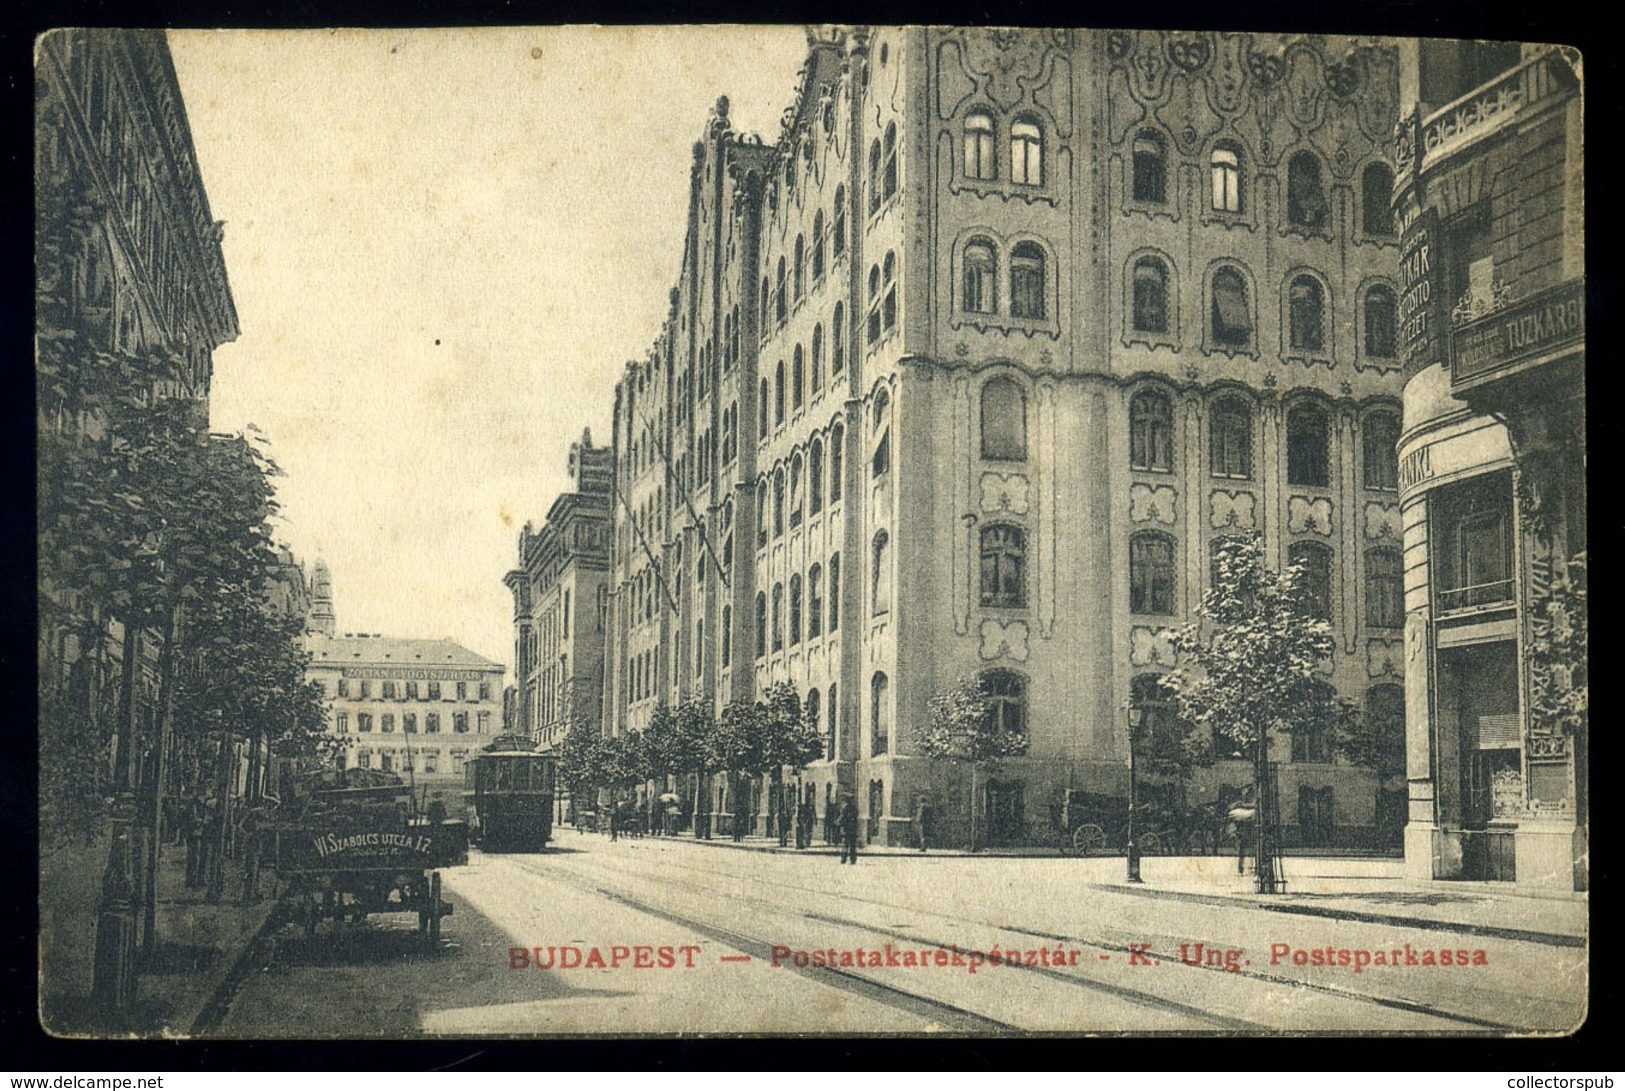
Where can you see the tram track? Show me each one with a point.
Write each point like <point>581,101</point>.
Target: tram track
<point>1223,1023</point>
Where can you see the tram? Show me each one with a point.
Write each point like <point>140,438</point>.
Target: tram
<point>509,790</point>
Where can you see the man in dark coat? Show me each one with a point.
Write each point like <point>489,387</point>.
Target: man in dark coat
<point>922,822</point>
<point>846,824</point>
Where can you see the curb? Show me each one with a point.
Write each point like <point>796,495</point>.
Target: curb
<point>203,1017</point>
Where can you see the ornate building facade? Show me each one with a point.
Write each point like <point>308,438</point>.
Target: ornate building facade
<point>966,372</point>
<point>559,603</point>
<point>1489,151</point>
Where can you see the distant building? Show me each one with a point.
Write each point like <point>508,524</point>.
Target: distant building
<point>322,619</point>
<point>558,595</point>
<point>417,708</point>
<point>1490,194</point>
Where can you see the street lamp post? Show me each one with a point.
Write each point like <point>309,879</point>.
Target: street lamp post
<point>1132,850</point>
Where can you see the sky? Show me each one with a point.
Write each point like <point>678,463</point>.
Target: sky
<point>444,246</point>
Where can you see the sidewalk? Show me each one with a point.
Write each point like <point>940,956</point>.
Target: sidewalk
<point>198,944</point>
<point>1370,889</point>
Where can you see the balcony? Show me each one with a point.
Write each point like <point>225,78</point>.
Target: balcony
<point>1493,107</point>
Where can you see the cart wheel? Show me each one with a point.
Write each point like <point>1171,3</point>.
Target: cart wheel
<point>435,908</point>
<point>1150,845</point>
<point>1089,840</point>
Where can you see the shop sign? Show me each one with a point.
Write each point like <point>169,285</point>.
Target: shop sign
<point>1515,335</point>
<point>1419,315</point>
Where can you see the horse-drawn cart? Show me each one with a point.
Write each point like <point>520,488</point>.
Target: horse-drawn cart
<point>348,851</point>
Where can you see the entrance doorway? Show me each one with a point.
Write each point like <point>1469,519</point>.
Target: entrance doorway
<point>1006,817</point>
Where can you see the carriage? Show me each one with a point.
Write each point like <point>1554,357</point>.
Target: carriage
<point>510,791</point>
<point>355,843</point>
<point>1096,824</point>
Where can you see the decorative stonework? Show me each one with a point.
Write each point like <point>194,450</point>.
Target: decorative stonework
<point>1382,521</point>
<point>1153,503</point>
<point>1004,640</point>
<point>1233,510</point>
<point>1309,515</point>
<point>1385,658</point>
<point>1005,492</point>
<point>1150,647</point>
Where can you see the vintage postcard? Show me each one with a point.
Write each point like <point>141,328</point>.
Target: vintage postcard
<point>829,530</point>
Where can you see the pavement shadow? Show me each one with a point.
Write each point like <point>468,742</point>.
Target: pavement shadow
<point>1399,897</point>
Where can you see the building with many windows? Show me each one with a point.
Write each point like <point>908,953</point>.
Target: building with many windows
<point>559,602</point>
<point>416,708</point>
<point>1490,192</point>
<point>969,368</point>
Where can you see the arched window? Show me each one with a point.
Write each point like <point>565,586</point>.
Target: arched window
<point>834,723</point>
<point>1150,431</point>
<point>881,461</point>
<point>1226,167</point>
<point>1316,562</point>
<point>779,617</point>
<point>981,277</point>
<point>880,575</point>
<point>834,591</point>
<point>1150,296</point>
<point>818,358</point>
<point>801,268</point>
<point>1384,589</point>
<point>1305,196</point>
<point>838,227</point>
<point>874,304</point>
<point>795,490</point>
<point>1004,420</point>
<point>1150,167</point>
<point>798,375</point>
<point>879,714</point>
<point>1006,696</point>
<point>1004,559</point>
<point>1307,460</point>
<point>813,713</point>
<point>1027,280</point>
<point>1376,193</point>
<point>778,502</point>
<point>761,624</point>
<point>818,246</point>
<point>1151,573</point>
<point>766,293</point>
<point>1306,314</point>
<point>874,177</point>
<point>781,300</point>
<point>837,341</point>
<point>762,403</point>
<point>837,459</point>
<point>699,646</point>
<point>778,393</point>
<point>1232,316</point>
<point>888,307</point>
<point>1379,442</point>
<point>1026,151</point>
<point>981,162</point>
<point>795,609</point>
<point>815,602</point>
<point>815,477</point>
<point>891,160</point>
<point>1379,322</point>
<point>1230,446</point>
<point>725,637</point>
<point>733,344</point>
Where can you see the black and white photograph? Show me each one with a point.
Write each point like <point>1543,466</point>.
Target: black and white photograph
<point>809,530</point>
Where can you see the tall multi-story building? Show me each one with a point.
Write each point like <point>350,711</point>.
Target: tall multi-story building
<point>131,291</point>
<point>416,708</point>
<point>559,603</point>
<point>967,371</point>
<point>1490,192</point>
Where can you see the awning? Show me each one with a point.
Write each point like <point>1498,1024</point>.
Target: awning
<point>1232,307</point>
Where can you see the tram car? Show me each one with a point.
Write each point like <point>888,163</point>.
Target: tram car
<point>509,791</point>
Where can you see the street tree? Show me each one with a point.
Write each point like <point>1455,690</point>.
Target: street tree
<point>1254,668</point>
<point>736,748</point>
<point>578,767</point>
<point>789,741</point>
<point>962,728</point>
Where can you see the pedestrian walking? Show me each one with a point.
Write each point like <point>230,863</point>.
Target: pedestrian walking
<point>436,810</point>
<point>922,822</point>
<point>846,822</point>
<point>192,817</point>
<point>804,824</point>
<point>781,823</point>
<point>614,822</point>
